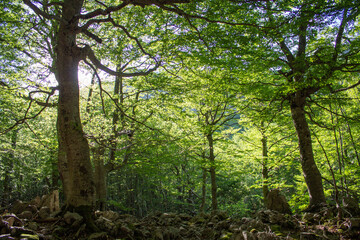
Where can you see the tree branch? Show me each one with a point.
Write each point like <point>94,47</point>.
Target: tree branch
<point>339,36</point>
<point>103,12</point>
<point>91,35</point>
<point>100,85</point>
<point>182,13</point>
<point>38,138</point>
<point>346,88</point>
<point>320,125</point>
<point>290,57</point>
<point>155,2</point>
<point>126,115</point>
<point>43,104</point>
<point>130,36</point>
<point>88,52</point>
<point>198,32</point>
<point>3,84</point>
<point>330,111</point>
<point>40,12</point>
<point>25,118</point>
<point>91,22</point>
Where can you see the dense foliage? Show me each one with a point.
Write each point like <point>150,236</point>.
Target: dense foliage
<point>210,124</point>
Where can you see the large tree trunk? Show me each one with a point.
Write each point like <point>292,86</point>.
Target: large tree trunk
<point>311,172</point>
<point>74,156</point>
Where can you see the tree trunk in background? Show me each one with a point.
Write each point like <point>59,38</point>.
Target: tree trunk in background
<point>100,178</point>
<point>214,203</point>
<point>119,99</point>
<point>74,155</point>
<point>311,172</point>
<point>203,191</point>
<point>265,170</point>
<point>100,171</point>
<point>7,188</point>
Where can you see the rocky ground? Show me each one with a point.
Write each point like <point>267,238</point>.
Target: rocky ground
<point>26,221</point>
<point>42,219</point>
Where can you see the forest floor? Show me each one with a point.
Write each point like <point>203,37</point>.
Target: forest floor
<point>266,224</point>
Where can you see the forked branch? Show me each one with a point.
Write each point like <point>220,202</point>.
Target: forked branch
<point>89,53</point>
<point>39,12</point>
<point>26,117</point>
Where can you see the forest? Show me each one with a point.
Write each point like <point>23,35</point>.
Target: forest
<point>180,119</point>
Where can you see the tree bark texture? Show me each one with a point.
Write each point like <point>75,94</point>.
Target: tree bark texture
<point>311,172</point>
<point>74,155</point>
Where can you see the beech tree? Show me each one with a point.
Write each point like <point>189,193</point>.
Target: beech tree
<point>304,48</point>
<point>311,68</point>
<point>73,20</point>
<point>208,108</point>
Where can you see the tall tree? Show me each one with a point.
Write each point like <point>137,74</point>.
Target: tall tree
<point>74,19</point>
<point>209,104</point>
<point>304,46</point>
